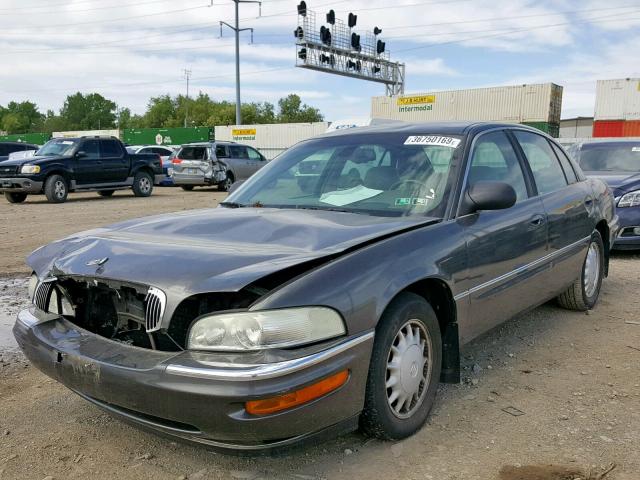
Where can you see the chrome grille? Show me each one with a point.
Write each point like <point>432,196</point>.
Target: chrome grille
<point>156,301</point>
<point>43,293</point>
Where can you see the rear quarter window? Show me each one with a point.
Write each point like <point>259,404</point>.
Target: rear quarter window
<point>193,153</point>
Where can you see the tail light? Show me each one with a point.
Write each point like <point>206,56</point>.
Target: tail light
<point>176,161</point>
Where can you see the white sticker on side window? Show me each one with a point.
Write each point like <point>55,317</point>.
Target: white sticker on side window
<point>635,149</point>
<point>433,140</point>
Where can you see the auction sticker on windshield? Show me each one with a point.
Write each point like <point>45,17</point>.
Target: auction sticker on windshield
<point>433,140</point>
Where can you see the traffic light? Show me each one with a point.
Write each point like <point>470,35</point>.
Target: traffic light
<point>353,19</point>
<point>355,42</point>
<point>325,35</point>
<point>354,65</point>
<point>331,17</point>
<point>302,54</point>
<point>376,69</point>
<point>377,31</point>
<point>302,9</point>
<point>298,33</point>
<point>380,46</point>
<point>330,59</point>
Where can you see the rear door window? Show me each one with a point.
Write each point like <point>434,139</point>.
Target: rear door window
<point>237,151</point>
<point>193,153</point>
<point>546,169</point>
<point>110,149</point>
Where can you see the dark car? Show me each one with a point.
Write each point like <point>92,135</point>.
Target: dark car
<point>618,164</point>
<point>289,313</point>
<point>7,148</point>
<point>81,164</point>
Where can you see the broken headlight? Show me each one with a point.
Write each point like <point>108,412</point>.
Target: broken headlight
<point>250,331</point>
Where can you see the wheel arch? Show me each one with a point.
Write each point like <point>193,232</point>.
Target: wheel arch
<point>603,228</point>
<point>438,293</point>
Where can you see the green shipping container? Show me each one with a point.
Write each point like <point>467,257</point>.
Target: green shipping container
<point>35,138</point>
<point>166,136</point>
<point>552,129</point>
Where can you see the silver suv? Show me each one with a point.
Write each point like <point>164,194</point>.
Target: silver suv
<point>214,163</point>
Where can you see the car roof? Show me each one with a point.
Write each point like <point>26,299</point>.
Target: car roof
<point>208,144</point>
<point>611,143</point>
<point>422,128</point>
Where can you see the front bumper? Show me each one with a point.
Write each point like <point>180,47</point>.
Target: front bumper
<point>629,218</point>
<point>200,397</point>
<point>20,185</point>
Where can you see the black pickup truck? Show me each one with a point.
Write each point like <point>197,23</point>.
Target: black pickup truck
<point>64,165</point>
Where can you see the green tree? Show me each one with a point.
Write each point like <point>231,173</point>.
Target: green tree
<point>54,123</point>
<point>88,112</point>
<point>21,117</point>
<point>292,110</point>
<point>161,112</point>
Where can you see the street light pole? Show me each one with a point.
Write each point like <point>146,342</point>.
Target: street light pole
<point>187,76</point>
<point>237,31</point>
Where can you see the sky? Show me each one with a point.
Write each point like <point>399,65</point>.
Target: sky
<point>132,50</point>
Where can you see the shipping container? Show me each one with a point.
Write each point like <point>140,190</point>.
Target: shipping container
<point>631,128</point>
<point>166,136</point>
<point>270,139</point>
<point>517,104</point>
<point>618,99</point>
<point>35,138</point>
<point>608,128</point>
<point>579,127</point>
<point>86,133</point>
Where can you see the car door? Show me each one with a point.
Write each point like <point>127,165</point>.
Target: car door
<point>88,168</point>
<point>256,160</point>
<point>238,162</point>
<point>568,204</point>
<point>115,165</point>
<point>504,247</point>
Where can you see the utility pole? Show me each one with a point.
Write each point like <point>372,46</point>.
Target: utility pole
<point>187,76</point>
<point>237,31</point>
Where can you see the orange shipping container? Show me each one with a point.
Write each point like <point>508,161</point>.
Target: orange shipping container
<point>631,128</point>
<point>608,128</point>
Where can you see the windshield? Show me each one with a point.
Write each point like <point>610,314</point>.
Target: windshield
<point>624,157</point>
<point>389,174</point>
<point>58,146</point>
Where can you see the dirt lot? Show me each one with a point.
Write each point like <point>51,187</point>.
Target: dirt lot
<point>572,380</point>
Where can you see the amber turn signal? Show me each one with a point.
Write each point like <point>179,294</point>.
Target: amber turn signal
<point>292,399</point>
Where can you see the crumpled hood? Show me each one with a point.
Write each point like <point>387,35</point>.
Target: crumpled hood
<point>620,183</point>
<point>212,250</point>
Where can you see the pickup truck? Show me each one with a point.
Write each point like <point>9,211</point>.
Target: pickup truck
<point>64,165</point>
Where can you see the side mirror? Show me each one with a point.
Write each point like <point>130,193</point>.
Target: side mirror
<point>488,195</point>
<point>81,154</point>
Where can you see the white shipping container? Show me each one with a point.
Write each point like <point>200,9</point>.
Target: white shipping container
<point>579,127</point>
<point>519,103</point>
<point>86,133</point>
<point>270,139</point>
<point>618,99</point>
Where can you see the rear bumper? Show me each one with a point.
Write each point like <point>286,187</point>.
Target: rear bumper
<point>196,396</point>
<point>20,185</point>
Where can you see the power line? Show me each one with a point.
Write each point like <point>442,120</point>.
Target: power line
<point>18,10</point>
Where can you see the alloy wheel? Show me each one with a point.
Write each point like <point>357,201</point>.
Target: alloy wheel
<point>591,270</point>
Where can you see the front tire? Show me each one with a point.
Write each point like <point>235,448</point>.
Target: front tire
<point>228,181</point>
<point>15,197</point>
<point>56,189</point>
<point>583,294</point>
<point>405,369</point>
<point>142,184</point>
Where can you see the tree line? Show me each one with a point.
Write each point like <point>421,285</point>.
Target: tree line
<point>94,112</point>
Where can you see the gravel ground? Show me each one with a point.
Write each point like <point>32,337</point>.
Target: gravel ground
<point>551,395</point>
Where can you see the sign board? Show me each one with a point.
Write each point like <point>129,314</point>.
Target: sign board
<point>243,134</point>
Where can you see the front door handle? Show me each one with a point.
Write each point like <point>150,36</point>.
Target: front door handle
<point>537,221</point>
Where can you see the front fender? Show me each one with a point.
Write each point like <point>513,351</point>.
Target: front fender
<point>361,284</point>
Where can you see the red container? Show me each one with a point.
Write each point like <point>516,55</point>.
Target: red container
<point>631,128</point>
<point>608,128</point>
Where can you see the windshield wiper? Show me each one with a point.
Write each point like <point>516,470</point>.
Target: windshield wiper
<point>330,209</point>
<point>231,204</point>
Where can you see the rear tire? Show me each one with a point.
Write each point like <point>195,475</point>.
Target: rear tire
<point>187,188</point>
<point>106,193</point>
<point>15,197</point>
<point>405,369</point>
<point>583,294</point>
<point>56,189</point>
<point>142,184</point>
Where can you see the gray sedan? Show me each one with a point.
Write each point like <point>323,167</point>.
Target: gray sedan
<point>290,313</point>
